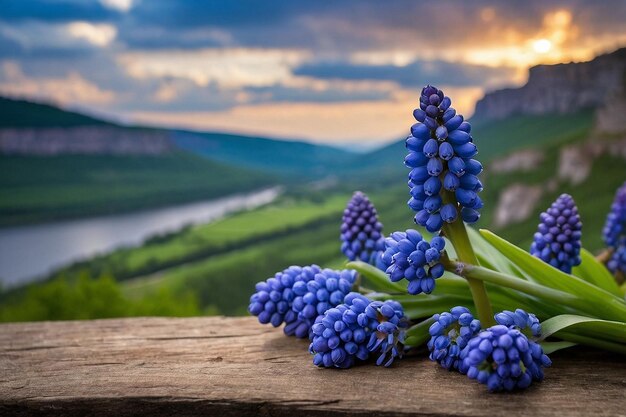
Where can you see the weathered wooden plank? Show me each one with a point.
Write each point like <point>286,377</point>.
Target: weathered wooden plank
<point>234,366</point>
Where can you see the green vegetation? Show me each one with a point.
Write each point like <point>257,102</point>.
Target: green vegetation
<point>44,188</point>
<point>88,298</point>
<point>196,243</point>
<point>226,280</point>
<point>497,138</point>
<point>212,268</point>
<point>286,158</point>
<point>21,113</point>
<point>593,197</point>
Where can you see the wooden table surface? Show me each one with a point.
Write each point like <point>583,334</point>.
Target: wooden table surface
<point>235,366</point>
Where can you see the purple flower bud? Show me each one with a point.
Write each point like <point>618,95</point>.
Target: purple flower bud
<point>561,226</point>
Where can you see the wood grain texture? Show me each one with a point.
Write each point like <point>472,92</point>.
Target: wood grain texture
<point>236,367</point>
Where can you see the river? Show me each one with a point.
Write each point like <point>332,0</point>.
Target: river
<point>31,252</point>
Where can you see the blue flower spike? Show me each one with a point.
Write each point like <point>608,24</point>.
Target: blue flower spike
<point>527,323</point>
<point>557,240</point>
<point>443,181</point>
<point>614,232</point>
<point>504,359</point>
<point>298,295</point>
<point>351,331</point>
<point>409,256</point>
<point>361,232</point>
<point>449,335</point>
<point>327,289</point>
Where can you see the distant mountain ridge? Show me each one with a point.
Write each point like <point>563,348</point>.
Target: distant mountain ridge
<point>558,89</point>
<point>22,113</point>
<point>30,128</point>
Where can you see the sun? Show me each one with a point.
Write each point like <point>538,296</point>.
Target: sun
<point>542,46</point>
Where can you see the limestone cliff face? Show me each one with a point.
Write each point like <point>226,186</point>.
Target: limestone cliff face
<point>84,140</point>
<point>562,88</point>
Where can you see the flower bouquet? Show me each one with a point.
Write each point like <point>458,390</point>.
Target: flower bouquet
<point>482,306</point>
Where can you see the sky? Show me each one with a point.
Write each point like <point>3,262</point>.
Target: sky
<point>337,72</point>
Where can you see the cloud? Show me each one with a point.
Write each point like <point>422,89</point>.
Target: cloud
<point>71,89</point>
<point>96,34</point>
<point>279,60</point>
<point>414,75</point>
<point>55,10</point>
<point>121,5</point>
<point>361,122</point>
<point>225,67</point>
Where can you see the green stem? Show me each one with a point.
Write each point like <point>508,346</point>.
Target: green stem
<point>528,287</point>
<point>457,234</point>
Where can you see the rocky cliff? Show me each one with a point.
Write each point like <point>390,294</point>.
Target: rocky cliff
<point>561,88</point>
<point>84,140</point>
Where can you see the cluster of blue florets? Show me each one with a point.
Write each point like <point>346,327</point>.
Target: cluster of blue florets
<point>557,241</point>
<point>528,323</point>
<point>504,358</point>
<point>353,330</point>
<point>327,289</point>
<point>361,232</point>
<point>614,232</point>
<point>297,295</point>
<point>409,256</point>
<point>444,175</point>
<point>449,335</point>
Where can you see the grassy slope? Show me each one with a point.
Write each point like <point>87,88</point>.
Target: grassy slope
<point>21,113</point>
<point>44,188</point>
<point>520,132</point>
<point>224,281</point>
<point>277,156</point>
<point>195,243</point>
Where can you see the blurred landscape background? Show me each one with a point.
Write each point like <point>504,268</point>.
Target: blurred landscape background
<point>161,157</point>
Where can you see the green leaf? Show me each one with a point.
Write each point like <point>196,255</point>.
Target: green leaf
<point>490,257</point>
<point>614,331</point>
<point>376,277</point>
<point>418,335</point>
<point>551,347</point>
<point>593,271</point>
<point>604,303</point>
<point>593,341</point>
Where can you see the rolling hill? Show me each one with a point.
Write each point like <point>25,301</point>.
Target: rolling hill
<point>290,159</point>
<point>24,113</point>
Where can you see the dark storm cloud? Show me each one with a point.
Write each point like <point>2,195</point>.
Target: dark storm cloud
<point>413,75</point>
<point>55,10</point>
<point>281,93</point>
<point>434,34</point>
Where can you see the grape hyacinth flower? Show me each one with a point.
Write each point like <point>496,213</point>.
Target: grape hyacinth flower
<point>617,262</point>
<point>408,256</point>
<point>614,232</point>
<point>557,241</point>
<point>444,175</point>
<point>327,289</point>
<point>353,330</point>
<point>297,295</point>
<point>450,333</point>
<point>273,300</point>
<point>361,232</point>
<point>387,340</point>
<point>504,359</point>
<point>527,323</point>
